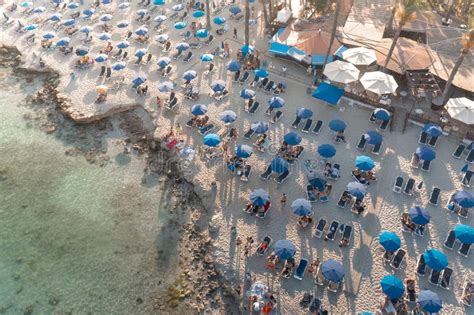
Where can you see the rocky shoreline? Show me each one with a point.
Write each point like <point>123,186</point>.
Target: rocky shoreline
<point>199,286</point>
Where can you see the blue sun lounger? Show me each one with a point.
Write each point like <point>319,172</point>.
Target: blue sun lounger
<point>301,269</point>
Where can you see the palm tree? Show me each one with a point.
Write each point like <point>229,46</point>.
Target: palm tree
<point>265,14</point>
<point>208,16</point>
<point>467,42</point>
<point>333,33</point>
<point>247,18</point>
<point>406,11</point>
<point>392,16</point>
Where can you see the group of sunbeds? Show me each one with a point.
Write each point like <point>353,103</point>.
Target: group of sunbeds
<point>383,124</point>
<point>357,205</point>
<point>439,278</point>
<point>408,226</point>
<point>454,207</point>
<point>259,211</point>
<point>451,241</point>
<point>313,194</point>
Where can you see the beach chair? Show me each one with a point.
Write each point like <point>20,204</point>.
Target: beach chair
<point>446,278</point>
<point>190,123</point>
<point>276,117</point>
<point>320,228</point>
<point>310,194</point>
<point>377,148</point>
<point>254,81</point>
<point>282,177</point>
<point>467,288</point>
<point>244,77</point>
<point>307,125</point>
<point>176,55</point>
<point>470,156</point>
<point>432,142</point>
<point>188,56</point>
<point>434,196</point>
<point>384,124</point>
<point>342,203</point>
<point>296,122</point>
<point>172,103</point>
<point>462,212</point>
<point>421,266</point>
<point>346,235</point>
<point>269,110</point>
<point>332,230</point>
<point>415,161</point>
<point>409,187</point>
<point>398,184</point>
<point>254,108</point>
<point>317,127</point>
<point>236,76</point>
<point>262,215</point>
<point>262,83</point>
<point>301,269</point>
<point>398,258</point>
<point>323,198</point>
<point>411,291</point>
<point>222,95</point>
<point>434,277</point>
<point>426,166</point>
<point>337,173</point>
<point>264,245</point>
<point>362,143</point>
<point>423,138</point>
<point>459,151</point>
<point>450,240</point>
<point>464,249</point>
<point>267,173</point>
<point>372,118</point>
<point>269,86</point>
<point>315,306</point>
<point>333,286</point>
<point>246,173</point>
<point>466,179</point>
<point>206,129</point>
<point>249,134</point>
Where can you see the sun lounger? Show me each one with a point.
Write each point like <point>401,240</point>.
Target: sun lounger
<point>310,194</point>
<point>317,127</point>
<point>409,187</point>
<point>254,108</point>
<point>296,122</point>
<point>362,143</point>
<point>467,290</point>
<point>344,199</point>
<point>269,110</point>
<point>276,117</point>
<point>384,125</point>
<point>411,291</point>
<point>333,286</point>
<point>466,179</point>
<point>470,156</point>
<point>320,228</point>
<point>464,249</point>
<point>335,175</point>
<point>323,198</point>
<point>372,118</point>
<point>450,240</point>
<point>264,245</point>
<point>315,306</point>
<point>398,258</point>
<point>423,138</point>
<point>188,57</point>
<point>236,76</point>
<point>307,125</point>
<point>421,266</point>
<point>172,104</point>
<point>332,230</point>
<point>267,173</point>
<point>462,212</point>
<point>446,278</point>
<point>398,184</point>
<point>246,173</point>
<point>434,196</point>
<point>249,134</point>
<point>433,141</point>
<point>263,214</point>
<point>244,77</point>
<point>434,277</point>
<point>206,129</point>
<point>301,269</point>
<point>190,123</point>
<point>426,166</point>
<point>459,151</point>
<point>269,87</point>
<point>346,235</point>
<point>222,95</point>
<point>387,256</point>
<point>262,83</point>
<point>282,177</point>
<point>320,280</point>
<point>377,148</point>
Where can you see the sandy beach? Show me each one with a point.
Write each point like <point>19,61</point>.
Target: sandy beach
<point>362,259</point>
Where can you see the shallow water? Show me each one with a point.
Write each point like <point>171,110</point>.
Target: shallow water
<point>74,237</point>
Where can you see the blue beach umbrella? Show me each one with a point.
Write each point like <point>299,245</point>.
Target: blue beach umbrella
<point>218,85</point>
<point>327,150</point>
<point>233,66</point>
<point>390,241</point>
<point>425,153</point>
<point>177,7</point>
<point>218,20</point>
<point>464,233</point>
<point>429,301</point>
<point>122,24</point>
<point>49,35</point>
<point>88,12</point>
<point>465,168</point>
<point>182,46</point>
<point>82,51</point>
<point>276,102</point>
<point>73,5</point>
<point>141,31</point>
<point>207,57</point>
<point>202,33</point>
<point>279,165</point>
<point>259,197</point>
<point>304,113</point>
<point>435,259</point>
<point>392,286</point>
<point>163,62</point>
<point>123,44</point>
<point>101,58</point>
<point>31,27</point>
<point>235,10</point>
<point>247,94</point>
<point>106,1</point>
<point>259,127</point>
<point>228,116</point>
<point>142,12</point>
<point>160,18</point>
<point>292,138</point>
<point>211,140</point>
<point>105,17</point>
<point>198,13</point>
<point>301,207</point>
<point>105,36</point>
<point>69,22</point>
<point>332,270</point>
<point>356,189</point>
<point>86,29</point>
<point>337,125</point>
<point>285,249</point>
<point>261,73</point>
<point>26,4</point>
<point>39,10</point>
<point>433,130</point>
<point>317,181</point>
<point>374,137</point>
<point>124,5</point>
<point>141,52</point>
<point>158,2</point>
<point>161,38</point>
<point>63,42</point>
<point>140,79</point>
<point>247,49</point>
<point>189,75</point>
<point>364,163</point>
<point>243,151</point>
<point>118,66</point>
<point>180,25</point>
<point>166,86</point>
<point>56,17</point>
<point>419,215</point>
<point>199,109</point>
<point>464,198</point>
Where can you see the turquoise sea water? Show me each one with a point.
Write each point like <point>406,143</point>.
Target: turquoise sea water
<point>74,237</point>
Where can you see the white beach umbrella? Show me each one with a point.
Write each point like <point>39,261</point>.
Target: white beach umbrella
<point>342,72</point>
<point>461,109</point>
<point>359,56</point>
<point>379,83</point>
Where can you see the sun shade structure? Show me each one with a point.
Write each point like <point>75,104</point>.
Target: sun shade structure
<point>332,270</point>
<point>435,259</point>
<point>430,301</point>
<point>419,215</point>
<point>379,83</point>
<point>328,93</point>
<point>259,197</point>
<point>342,72</point>
<point>301,207</point>
<point>464,233</point>
<point>360,56</point>
<point>461,109</point>
<point>392,286</point>
<point>285,249</point>
<point>389,240</point>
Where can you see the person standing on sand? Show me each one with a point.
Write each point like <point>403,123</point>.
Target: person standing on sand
<point>178,129</point>
<point>283,200</point>
<point>235,33</point>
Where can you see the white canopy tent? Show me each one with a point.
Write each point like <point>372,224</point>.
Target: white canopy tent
<point>341,71</point>
<point>379,83</point>
<point>461,109</point>
<point>360,56</point>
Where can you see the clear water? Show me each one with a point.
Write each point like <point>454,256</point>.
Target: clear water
<point>74,237</point>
